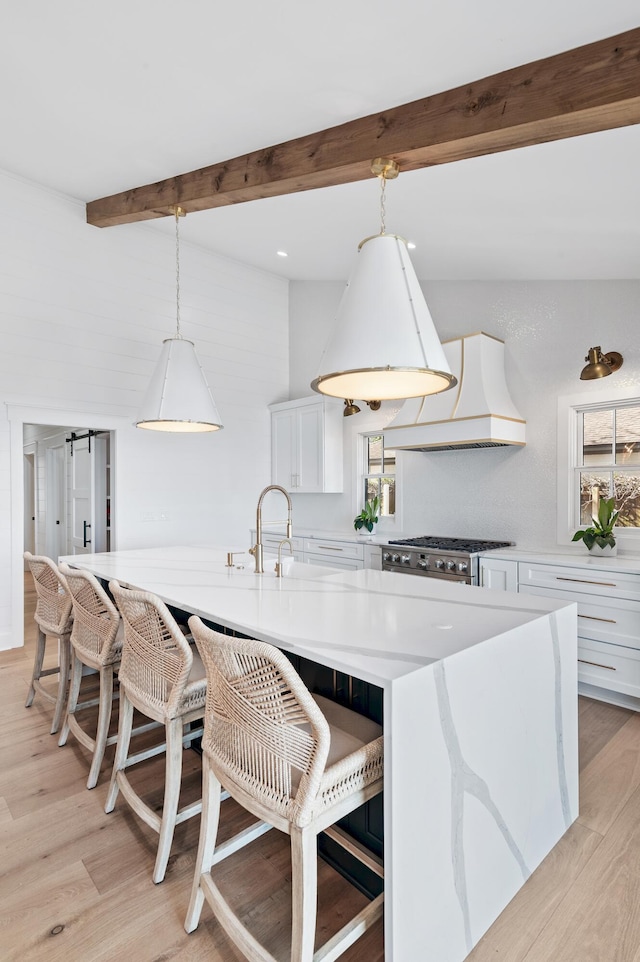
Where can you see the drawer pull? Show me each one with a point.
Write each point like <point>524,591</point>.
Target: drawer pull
<point>584,581</point>
<point>596,664</point>
<point>327,547</point>
<point>610,621</point>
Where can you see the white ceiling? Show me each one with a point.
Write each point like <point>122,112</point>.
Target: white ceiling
<point>98,98</point>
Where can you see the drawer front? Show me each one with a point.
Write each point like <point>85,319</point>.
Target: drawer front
<point>609,666</point>
<point>351,564</point>
<point>594,581</point>
<point>333,549</point>
<point>613,620</point>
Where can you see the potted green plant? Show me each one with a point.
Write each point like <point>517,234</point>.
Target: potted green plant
<point>368,516</point>
<point>599,535</point>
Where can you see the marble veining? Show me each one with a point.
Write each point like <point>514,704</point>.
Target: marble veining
<point>464,780</point>
<point>562,762</point>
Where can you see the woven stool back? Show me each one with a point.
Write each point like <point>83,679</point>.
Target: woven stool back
<point>53,601</point>
<point>95,617</point>
<point>262,729</point>
<point>156,658</point>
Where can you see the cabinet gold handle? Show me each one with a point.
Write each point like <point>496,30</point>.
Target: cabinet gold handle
<point>583,581</point>
<point>597,664</point>
<point>610,621</point>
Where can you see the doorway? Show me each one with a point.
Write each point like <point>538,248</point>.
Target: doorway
<point>68,496</point>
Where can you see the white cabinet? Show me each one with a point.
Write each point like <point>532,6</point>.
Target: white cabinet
<point>373,556</point>
<point>498,574</point>
<point>335,554</point>
<point>306,445</point>
<point>608,623</point>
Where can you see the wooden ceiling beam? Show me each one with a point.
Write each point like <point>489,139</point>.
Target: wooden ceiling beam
<point>591,88</point>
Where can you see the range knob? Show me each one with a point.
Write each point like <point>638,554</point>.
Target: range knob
<point>405,559</point>
<point>423,565</point>
<point>463,567</point>
<point>386,556</point>
<point>395,559</point>
<point>451,566</point>
<point>439,563</point>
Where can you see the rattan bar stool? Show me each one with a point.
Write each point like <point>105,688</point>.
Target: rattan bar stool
<point>298,763</point>
<point>96,641</point>
<point>53,615</point>
<point>163,677</point>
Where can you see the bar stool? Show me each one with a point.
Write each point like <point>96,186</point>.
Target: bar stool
<point>164,678</point>
<point>96,641</point>
<point>297,762</point>
<point>53,615</point>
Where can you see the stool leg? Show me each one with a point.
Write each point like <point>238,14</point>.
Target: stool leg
<point>304,884</point>
<point>63,681</point>
<point>208,833</point>
<point>37,666</point>
<point>125,722</point>
<point>74,691</point>
<point>172,779</point>
<point>104,719</point>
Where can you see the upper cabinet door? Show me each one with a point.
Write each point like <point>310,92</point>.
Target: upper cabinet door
<point>306,445</point>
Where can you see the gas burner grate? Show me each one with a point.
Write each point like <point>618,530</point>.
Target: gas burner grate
<point>452,544</point>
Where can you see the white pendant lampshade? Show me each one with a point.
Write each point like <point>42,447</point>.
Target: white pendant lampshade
<point>384,345</point>
<point>178,397</point>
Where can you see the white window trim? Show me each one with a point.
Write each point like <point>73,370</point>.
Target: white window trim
<point>628,539</point>
<point>386,525</point>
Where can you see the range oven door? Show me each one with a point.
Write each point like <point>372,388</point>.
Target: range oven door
<point>440,576</point>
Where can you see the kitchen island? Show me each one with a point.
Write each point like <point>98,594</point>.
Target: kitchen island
<point>479,695</point>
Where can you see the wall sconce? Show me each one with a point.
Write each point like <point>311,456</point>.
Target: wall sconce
<point>351,408</point>
<point>600,365</point>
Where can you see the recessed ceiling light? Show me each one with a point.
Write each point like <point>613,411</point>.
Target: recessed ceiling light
<point>411,245</point>
<point>282,253</point>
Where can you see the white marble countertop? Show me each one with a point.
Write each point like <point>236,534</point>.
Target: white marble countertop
<point>376,625</point>
<point>581,558</point>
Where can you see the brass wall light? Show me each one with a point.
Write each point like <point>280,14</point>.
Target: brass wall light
<point>351,408</point>
<point>599,364</point>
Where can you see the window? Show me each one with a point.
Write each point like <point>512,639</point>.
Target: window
<point>599,457</point>
<point>379,476</point>
<point>608,461</point>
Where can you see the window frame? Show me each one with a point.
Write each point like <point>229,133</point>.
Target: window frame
<point>568,469</point>
<point>391,523</point>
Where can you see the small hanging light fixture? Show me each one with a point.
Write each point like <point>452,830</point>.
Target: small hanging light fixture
<point>385,344</point>
<point>600,365</point>
<point>178,397</point>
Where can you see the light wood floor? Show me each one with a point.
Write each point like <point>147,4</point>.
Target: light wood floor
<point>75,884</point>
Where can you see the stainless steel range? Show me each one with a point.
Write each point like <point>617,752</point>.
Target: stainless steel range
<point>450,559</point>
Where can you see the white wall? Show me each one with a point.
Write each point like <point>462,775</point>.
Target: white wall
<point>507,493</point>
<point>83,313</point>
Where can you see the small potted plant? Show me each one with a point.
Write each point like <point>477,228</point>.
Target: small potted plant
<point>599,536</point>
<point>368,517</point>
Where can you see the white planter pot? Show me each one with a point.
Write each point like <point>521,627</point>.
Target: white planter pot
<point>607,552</point>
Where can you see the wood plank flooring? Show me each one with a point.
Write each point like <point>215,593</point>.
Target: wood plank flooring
<point>75,884</point>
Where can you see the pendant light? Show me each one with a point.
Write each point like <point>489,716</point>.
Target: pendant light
<point>178,397</point>
<point>384,345</point>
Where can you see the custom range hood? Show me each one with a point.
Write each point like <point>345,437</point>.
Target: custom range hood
<point>478,413</point>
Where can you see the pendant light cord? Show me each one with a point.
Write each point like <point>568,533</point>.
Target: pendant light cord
<point>383,184</point>
<point>178,334</point>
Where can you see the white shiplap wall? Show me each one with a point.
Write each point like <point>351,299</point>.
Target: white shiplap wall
<point>83,313</point>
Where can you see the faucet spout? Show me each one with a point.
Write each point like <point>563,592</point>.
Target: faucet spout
<point>257,550</point>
